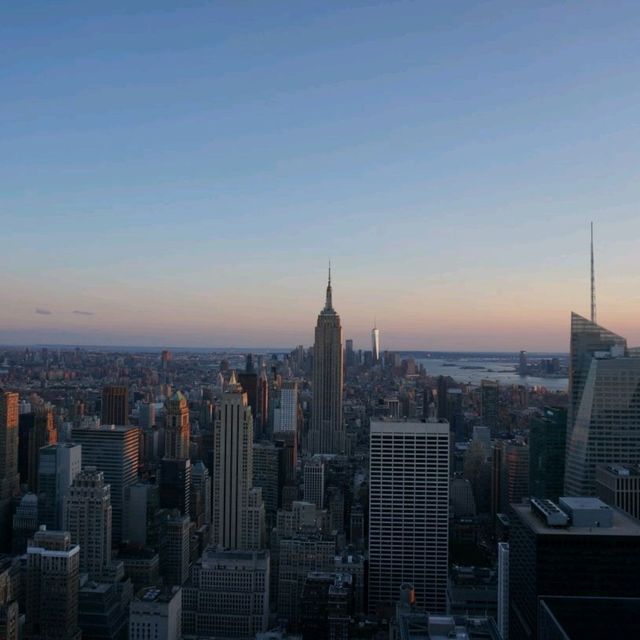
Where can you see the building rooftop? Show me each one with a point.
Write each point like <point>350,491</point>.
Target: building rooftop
<point>157,594</point>
<point>622,524</point>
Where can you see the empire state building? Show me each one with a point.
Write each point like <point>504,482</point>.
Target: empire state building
<point>326,434</point>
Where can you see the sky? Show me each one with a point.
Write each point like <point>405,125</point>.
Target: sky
<point>180,173</point>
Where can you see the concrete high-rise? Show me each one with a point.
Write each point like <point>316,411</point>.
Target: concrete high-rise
<point>87,518</point>
<point>409,512</point>
<point>228,595</point>
<point>9,478</point>
<point>113,450</point>
<point>313,477</point>
<point>115,405</point>
<point>156,613</point>
<point>326,434</point>
<point>375,344</point>
<point>603,424</point>
<point>53,570</point>
<point>59,464</point>
<point>232,467</point>
<point>177,431</point>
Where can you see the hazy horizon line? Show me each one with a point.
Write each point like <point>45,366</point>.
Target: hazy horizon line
<point>244,350</point>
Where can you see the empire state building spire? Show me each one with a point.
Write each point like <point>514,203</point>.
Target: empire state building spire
<point>328,305</point>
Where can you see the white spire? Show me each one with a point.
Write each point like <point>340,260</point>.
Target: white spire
<point>593,282</point>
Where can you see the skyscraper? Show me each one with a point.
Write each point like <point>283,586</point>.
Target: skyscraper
<point>176,427</point>
<point>490,398</point>
<point>409,512</point>
<point>228,595</point>
<point>115,405</point>
<point>9,478</point>
<point>53,568</point>
<point>36,430</point>
<point>285,415</point>
<point>59,465</point>
<point>87,518</point>
<point>375,344</point>
<point>114,451</point>
<point>232,467</point>
<point>577,547</point>
<point>547,440</point>
<point>603,423</point>
<point>326,434</point>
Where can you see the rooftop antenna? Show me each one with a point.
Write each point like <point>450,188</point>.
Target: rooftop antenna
<point>593,282</point>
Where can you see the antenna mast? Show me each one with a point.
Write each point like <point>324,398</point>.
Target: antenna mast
<point>593,282</point>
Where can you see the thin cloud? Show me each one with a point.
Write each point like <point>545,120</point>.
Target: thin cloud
<point>83,313</point>
<point>43,312</point>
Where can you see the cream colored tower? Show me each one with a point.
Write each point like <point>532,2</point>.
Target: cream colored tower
<point>234,504</point>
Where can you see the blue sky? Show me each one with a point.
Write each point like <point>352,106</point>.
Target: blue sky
<point>184,171</point>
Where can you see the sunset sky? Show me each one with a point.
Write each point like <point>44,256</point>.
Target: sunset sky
<point>180,173</point>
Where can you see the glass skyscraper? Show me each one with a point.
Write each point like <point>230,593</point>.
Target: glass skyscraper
<point>604,404</point>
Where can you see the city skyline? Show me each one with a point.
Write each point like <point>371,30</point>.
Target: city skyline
<point>448,159</point>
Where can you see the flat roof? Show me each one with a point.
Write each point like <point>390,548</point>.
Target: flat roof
<point>623,525</point>
<point>408,426</point>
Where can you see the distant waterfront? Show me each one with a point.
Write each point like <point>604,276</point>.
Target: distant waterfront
<point>502,370</point>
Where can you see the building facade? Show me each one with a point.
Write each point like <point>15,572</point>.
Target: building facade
<point>409,512</point>
<point>87,517</point>
<point>604,405</point>
<point>114,450</point>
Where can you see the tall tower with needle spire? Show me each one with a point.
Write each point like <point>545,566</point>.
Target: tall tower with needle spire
<point>326,434</point>
<point>593,282</point>
<point>375,342</point>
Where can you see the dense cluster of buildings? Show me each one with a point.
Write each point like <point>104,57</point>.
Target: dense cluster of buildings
<point>322,493</point>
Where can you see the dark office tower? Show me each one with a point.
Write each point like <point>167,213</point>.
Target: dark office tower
<point>115,405</point>
<point>249,382</point>
<point>349,353</point>
<point>262,418</point>
<point>490,403</point>
<point>37,430</point>
<point>547,439</point>
<point>173,545</point>
<point>53,577</point>
<point>326,434</point>
<point>522,363</point>
<point>87,518</point>
<point>249,366</point>
<point>177,432</point>
<point>25,524</point>
<point>175,485</point>
<point>288,441</point>
<point>517,470</point>
<point>114,451</point>
<point>603,423</point>
<point>443,385</point>
<point>577,547</point>
<point>59,464</point>
<point>266,474</point>
<point>9,478</point>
